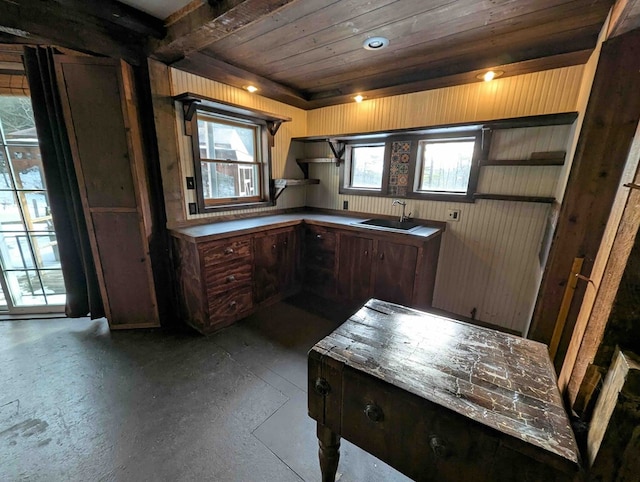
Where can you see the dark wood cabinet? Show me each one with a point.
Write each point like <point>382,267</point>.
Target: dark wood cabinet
<point>394,272</point>
<point>276,264</point>
<point>215,281</point>
<point>320,261</point>
<point>354,268</point>
<point>374,266</point>
<point>225,279</point>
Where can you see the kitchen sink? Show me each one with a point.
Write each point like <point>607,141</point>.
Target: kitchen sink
<point>390,224</point>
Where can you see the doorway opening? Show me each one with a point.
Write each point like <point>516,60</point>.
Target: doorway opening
<point>30,274</point>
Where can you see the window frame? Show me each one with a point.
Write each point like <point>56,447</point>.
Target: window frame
<point>414,165</point>
<point>263,153</point>
<point>347,174</point>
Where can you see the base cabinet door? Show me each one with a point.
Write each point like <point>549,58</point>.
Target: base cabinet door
<point>354,272</point>
<point>276,264</point>
<point>394,272</point>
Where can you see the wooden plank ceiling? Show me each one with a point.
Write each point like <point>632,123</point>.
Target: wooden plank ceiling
<point>310,53</point>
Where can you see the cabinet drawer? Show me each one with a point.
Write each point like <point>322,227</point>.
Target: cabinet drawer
<point>320,239</point>
<point>222,251</point>
<point>437,444</point>
<point>227,276</point>
<point>230,304</point>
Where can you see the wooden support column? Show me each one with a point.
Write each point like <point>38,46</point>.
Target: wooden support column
<point>608,129</point>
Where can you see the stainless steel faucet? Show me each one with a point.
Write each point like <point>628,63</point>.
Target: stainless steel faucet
<point>403,217</point>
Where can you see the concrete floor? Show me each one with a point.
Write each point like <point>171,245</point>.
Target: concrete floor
<point>80,403</point>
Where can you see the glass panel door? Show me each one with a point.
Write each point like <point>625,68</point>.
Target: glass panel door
<point>31,277</point>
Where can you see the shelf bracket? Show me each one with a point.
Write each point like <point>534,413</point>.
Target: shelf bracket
<point>337,148</point>
<point>189,108</point>
<point>304,168</point>
<point>279,186</point>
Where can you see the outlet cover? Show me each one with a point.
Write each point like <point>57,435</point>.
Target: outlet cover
<point>453,215</point>
<point>191,183</point>
<point>345,204</point>
<point>193,208</point>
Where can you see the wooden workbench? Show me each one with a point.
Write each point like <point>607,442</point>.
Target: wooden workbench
<point>439,399</point>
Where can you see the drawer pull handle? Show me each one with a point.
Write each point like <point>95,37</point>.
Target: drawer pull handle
<point>366,252</point>
<point>321,386</point>
<point>232,304</point>
<point>231,278</point>
<point>228,251</point>
<point>318,258</point>
<point>273,247</point>
<point>438,447</point>
<point>374,413</point>
<point>381,255</point>
<point>318,236</point>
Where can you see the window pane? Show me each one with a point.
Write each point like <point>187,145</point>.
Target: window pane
<point>446,165</point>
<point>26,289</point>
<point>229,142</point>
<point>27,165</point>
<point>366,166</point>
<point>46,250</point>
<point>15,252</point>
<point>5,177</point>
<point>16,117</point>
<point>10,219</point>
<point>39,214</point>
<point>222,180</point>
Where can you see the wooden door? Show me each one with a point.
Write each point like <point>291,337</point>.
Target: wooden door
<point>354,269</point>
<point>395,272</point>
<point>100,113</point>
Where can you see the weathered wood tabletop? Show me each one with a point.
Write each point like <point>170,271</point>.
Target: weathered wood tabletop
<point>439,399</point>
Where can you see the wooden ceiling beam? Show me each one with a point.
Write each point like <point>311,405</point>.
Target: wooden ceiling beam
<point>47,22</point>
<point>120,14</point>
<point>210,68</point>
<point>209,22</point>
<point>625,16</point>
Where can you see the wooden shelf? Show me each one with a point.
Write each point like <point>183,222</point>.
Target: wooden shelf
<point>512,197</point>
<point>555,158</point>
<point>318,160</point>
<point>295,182</point>
<point>281,184</point>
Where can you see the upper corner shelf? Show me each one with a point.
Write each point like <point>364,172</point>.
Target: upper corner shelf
<point>551,158</point>
<point>281,184</point>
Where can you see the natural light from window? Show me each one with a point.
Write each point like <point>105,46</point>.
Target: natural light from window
<point>445,166</point>
<point>367,163</point>
<point>230,162</point>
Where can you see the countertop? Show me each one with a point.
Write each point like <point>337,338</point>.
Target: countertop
<point>224,229</point>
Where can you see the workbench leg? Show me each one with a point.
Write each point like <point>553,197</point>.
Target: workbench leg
<point>329,453</point>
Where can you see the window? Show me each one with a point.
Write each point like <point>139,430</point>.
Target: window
<point>231,146</point>
<point>367,162</point>
<point>444,165</point>
<point>230,160</point>
<point>439,165</point>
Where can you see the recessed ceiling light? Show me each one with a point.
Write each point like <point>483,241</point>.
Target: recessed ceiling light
<point>358,98</point>
<point>375,43</point>
<point>251,88</point>
<point>490,75</point>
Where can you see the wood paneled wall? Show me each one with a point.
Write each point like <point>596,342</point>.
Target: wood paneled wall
<point>283,163</point>
<point>489,260</point>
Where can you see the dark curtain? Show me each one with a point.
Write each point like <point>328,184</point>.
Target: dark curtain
<point>78,269</point>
